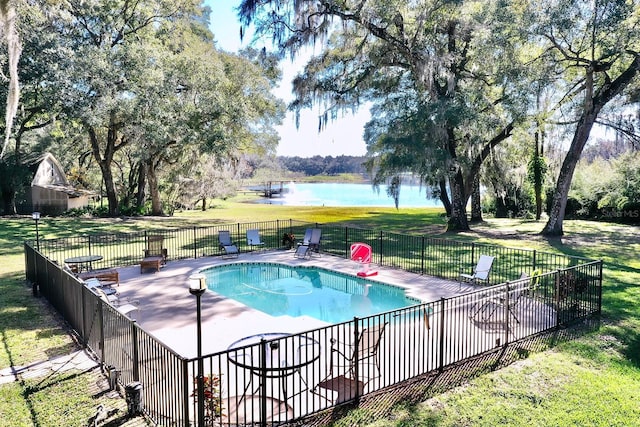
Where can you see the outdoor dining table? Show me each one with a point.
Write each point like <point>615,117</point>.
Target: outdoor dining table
<point>82,260</point>
<point>280,355</point>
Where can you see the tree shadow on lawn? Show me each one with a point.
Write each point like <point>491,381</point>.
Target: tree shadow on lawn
<point>432,223</point>
<point>16,230</point>
<point>24,317</point>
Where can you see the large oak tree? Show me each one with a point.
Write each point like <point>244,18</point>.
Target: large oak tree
<point>442,77</point>
<point>594,48</point>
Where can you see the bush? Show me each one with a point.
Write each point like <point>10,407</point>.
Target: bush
<point>515,202</point>
<point>606,189</point>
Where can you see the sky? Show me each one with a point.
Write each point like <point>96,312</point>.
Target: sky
<point>341,137</point>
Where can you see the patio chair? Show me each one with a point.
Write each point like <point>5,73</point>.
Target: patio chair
<point>306,238</point>
<point>123,307</point>
<point>226,244</point>
<point>314,241</point>
<point>253,238</point>
<point>350,365</point>
<point>508,299</point>
<point>155,255</point>
<point>480,271</point>
<point>302,251</point>
<point>310,243</point>
<point>108,276</point>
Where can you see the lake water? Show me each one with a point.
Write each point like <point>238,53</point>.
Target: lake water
<point>335,194</point>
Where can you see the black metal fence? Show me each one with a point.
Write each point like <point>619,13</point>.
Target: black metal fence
<point>277,379</point>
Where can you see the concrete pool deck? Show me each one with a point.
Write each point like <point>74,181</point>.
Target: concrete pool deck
<point>168,311</point>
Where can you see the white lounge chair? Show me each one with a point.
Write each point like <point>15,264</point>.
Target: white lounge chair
<point>253,238</point>
<point>480,271</point>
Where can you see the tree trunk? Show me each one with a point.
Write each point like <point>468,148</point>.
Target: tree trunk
<point>154,192</point>
<point>110,189</point>
<point>476,207</point>
<point>105,161</point>
<point>142,182</point>
<point>593,105</point>
<point>538,177</point>
<point>444,196</point>
<point>559,204</point>
<point>458,219</point>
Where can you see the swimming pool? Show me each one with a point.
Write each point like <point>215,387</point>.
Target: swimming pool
<point>326,295</point>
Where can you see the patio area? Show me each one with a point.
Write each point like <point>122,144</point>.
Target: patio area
<point>167,310</point>
<point>258,359</point>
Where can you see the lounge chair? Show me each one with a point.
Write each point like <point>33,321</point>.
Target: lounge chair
<point>502,300</point>
<point>346,360</point>
<point>155,255</point>
<point>226,244</point>
<point>302,251</point>
<point>307,237</point>
<point>314,242</point>
<point>310,243</point>
<point>480,271</point>
<point>253,238</point>
<point>124,307</point>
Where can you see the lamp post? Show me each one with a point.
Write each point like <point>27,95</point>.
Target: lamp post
<point>197,286</point>
<point>36,218</point>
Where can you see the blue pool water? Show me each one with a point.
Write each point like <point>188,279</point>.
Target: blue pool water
<point>326,295</point>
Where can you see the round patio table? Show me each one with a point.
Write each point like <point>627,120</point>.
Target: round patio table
<point>82,260</point>
<point>274,355</point>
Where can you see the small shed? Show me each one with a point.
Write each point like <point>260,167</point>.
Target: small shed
<point>51,192</point>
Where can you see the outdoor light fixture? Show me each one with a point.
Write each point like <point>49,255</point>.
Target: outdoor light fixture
<point>36,218</point>
<point>197,286</point>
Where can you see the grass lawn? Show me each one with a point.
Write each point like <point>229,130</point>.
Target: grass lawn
<point>591,381</point>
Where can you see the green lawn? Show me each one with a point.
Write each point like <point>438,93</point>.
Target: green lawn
<point>591,381</point>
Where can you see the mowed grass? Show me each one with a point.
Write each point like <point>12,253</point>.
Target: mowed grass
<point>591,381</point>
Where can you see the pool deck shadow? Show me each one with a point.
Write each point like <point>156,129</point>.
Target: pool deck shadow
<point>168,311</point>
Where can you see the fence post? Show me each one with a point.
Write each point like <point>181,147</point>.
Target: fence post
<point>381,237</point>
<point>263,382</point>
<point>507,306</point>
<point>422,256</point>
<point>278,235</point>
<point>195,242</point>
<point>346,243</point>
<point>599,311</point>
<point>101,319</point>
<point>556,291</point>
<point>89,240</point>
<point>356,373</point>
<point>136,354</point>
<point>535,259</point>
<point>83,301</point>
<point>185,393</point>
<point>473,253</point>
<point>442,319</point>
